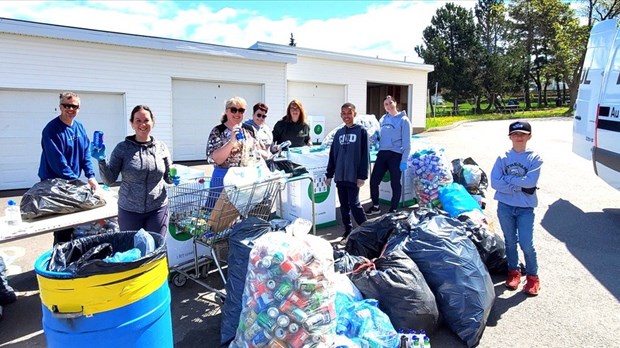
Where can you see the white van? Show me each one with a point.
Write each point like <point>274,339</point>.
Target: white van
<point>596,127</point>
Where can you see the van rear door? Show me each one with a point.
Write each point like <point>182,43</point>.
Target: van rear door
<point>606,149</point>
<point>602,37</point>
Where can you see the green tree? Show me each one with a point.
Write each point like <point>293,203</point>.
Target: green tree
<point>537,24</point>
<point>495,65</point>
<point>452,47</point>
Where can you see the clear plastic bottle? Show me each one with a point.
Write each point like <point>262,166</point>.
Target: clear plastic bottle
<point>12,213</point>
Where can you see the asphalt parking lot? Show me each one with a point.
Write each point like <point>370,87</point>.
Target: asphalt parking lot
<point>577,236</point>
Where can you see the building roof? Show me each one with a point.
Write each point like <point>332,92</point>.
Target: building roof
<point>20,27</point>
<point>307,52</point>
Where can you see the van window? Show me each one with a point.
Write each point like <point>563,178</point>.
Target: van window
<point>611,88</point>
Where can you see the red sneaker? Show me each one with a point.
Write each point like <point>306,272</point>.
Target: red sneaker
<point>532,285</point>
<point>513,279</point>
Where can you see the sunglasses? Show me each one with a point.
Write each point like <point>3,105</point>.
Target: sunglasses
<point>234,110</point>
<point>70,106</point>
<point>261,115</point>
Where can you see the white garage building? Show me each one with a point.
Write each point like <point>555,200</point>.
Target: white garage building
<point>185,83</point>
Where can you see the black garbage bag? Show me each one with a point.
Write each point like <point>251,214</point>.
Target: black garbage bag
<point>345,262</point>
<point>369,238</point>
<point>240,243</point>
<point>453,270</point>
<point>58,196</point>
<point>402,292</point>
<point>287,166</point>
<point>491,246</point>
<point>462,173</point>
<point>7,294</point>
<point>84,256</point>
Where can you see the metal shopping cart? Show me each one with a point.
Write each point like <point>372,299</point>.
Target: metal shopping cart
<point>206,214</point>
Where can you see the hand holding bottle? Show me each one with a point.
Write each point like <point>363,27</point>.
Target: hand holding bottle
<point>176,179</point>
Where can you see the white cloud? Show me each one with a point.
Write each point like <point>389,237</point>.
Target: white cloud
<point>388,30</point>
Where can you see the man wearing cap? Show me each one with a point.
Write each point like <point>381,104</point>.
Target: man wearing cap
<point>514,178</point>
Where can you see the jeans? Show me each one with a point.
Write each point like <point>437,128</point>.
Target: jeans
<point>518,226</point>
<point>349,196</point>
<point>215,186</point>
<point>386,161</point>
<point>152,221</point>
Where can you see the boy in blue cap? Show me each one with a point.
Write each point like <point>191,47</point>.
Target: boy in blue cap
<point>514,178</point>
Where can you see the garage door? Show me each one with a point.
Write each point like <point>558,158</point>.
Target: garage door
<point>197,107</point>
<point>23,114</point>
<point>320,100</point>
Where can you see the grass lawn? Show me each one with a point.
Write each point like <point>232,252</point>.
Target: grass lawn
<point>442,121</point>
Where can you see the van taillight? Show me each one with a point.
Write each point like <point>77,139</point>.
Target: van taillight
<point>598,112</point>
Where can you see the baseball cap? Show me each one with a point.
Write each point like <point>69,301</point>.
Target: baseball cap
<point>520,127</point>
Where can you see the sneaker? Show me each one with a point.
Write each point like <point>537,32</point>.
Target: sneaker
<point>532,285</point>
<point>513,279</point>
<point>392,211</point>
<point>373,210</point>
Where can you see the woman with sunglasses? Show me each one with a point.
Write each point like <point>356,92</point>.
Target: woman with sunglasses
<point>226,144</point>
<point>264,136</point>
<point>293,126</point>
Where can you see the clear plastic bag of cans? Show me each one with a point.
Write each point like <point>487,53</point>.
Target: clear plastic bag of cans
<point>289,297</point>
<point>430,172</point>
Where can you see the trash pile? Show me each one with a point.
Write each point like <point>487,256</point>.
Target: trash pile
<point>289,293</point>
<point>399,277</point>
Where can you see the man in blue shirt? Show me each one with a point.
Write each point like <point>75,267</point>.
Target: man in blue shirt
<point>65,150</point>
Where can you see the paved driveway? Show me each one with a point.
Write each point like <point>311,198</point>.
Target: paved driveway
<point>577,237</point>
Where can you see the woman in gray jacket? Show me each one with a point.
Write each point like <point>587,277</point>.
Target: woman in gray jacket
<point>144,164</point>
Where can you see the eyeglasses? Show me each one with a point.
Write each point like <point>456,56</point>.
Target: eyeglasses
<point>234,110</point>
<point>70,106</point>
<point>261,115</point>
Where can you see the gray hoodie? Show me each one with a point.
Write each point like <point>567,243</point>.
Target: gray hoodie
<point>145,170</point>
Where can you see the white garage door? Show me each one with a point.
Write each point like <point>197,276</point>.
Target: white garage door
<point>197,107</point>
<point>319,100</point>
<point>23,114</point>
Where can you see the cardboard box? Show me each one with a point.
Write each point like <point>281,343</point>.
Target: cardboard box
<point>408,197</point>
<point>296,197</point>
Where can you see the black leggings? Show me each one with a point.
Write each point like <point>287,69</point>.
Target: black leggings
<point>386,161</point>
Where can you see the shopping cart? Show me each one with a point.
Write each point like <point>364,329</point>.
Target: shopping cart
<point>206,214</point>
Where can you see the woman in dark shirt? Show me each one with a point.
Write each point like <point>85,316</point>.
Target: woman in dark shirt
<point>293,126</point>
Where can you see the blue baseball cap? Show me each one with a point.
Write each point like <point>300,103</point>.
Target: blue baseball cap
<point>520,127</point>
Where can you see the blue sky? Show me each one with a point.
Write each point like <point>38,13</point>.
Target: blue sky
<point>387,29</point>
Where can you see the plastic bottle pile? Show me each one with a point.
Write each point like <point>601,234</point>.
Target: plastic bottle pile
<point>413,339</point>
<point>431,171</point>
<point>288,295</point>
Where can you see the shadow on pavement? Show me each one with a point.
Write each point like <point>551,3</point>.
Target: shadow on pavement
<point>586,237</point>
<point>21,321</point>
<point>503,304</point>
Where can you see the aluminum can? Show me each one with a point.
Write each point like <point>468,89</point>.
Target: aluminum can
<point>283,320</point>
<point>98,139</point>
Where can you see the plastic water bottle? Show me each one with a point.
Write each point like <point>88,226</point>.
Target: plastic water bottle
<point>12,214</point>
<point>144,241</point>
